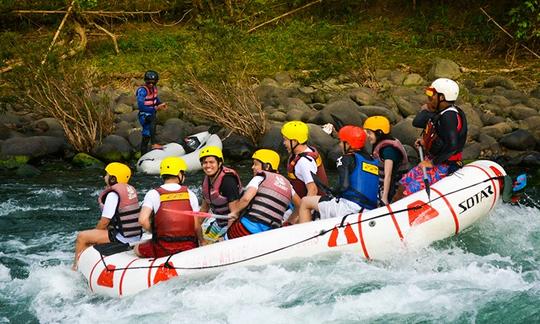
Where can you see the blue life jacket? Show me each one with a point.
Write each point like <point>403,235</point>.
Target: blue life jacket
<point>364,182</point>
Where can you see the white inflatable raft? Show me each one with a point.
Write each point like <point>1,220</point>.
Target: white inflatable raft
<point>149,162</point>
<point>456,202</point>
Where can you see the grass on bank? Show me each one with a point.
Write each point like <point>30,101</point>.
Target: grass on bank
<point>310,47</point>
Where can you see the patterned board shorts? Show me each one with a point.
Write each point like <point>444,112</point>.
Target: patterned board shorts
<point>413,180</point>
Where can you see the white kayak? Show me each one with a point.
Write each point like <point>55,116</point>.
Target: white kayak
<point>455,203</point>
<point>149,162</point>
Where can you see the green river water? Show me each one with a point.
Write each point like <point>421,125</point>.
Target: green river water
<point>488,274</point>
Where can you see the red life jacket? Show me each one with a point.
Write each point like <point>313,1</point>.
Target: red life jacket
<point>430,132</point>
<point>171,229</point>
<point>271,201</point>
<point>213,197</point>
<point>151,96</point>
<point>126,218</point>
<point>298,185</point>
<point>396,144</point>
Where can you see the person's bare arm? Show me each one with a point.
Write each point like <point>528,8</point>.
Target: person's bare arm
<point>144,218</point>
<point>312,189</point>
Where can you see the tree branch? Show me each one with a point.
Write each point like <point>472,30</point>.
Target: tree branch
<point>284,15</point>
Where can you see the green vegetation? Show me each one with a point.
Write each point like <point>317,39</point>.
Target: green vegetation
<point>322,41</point>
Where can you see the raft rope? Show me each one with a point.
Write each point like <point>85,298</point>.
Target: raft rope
<point>321,233</point>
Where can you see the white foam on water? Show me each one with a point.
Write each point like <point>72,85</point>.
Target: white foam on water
<point>4,273</point>
<point>438,283</point>
<point>52,192</point>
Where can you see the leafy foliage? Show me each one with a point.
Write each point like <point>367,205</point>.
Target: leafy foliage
<point>525,19</point>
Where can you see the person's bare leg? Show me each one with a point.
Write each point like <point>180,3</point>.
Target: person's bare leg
<point>308,204</point>
<point>86,239</point>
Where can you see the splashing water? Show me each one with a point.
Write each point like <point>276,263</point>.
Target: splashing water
<point>489,273</point>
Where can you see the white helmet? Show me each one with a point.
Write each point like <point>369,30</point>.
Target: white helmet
<point>449,88</point>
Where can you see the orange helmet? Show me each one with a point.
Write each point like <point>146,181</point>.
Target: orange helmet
<point>354,135</point>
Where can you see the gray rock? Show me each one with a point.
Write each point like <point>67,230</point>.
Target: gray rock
<point>322,141</point>
<point>294,114</point>
<point>496,131</point>
<point>473,115</point>
<point>381,74</point>
<point>126,99</point>
<point>317,106</point>
<point>27,171</point>
<point>283,77</point>
<point>443,68</point>
<point>278,116</point>
<point>33,146</point>
<point>131,117</point>
<point>397,77</point>
<point>534,103</point>
<point>533,123</point>
<point>346,110</point>
<point>519,112</point>
<point>489,118</point>
<point>236,147</point>
<point>535,92</point>
<point>520,140</point>
<point>269,82</point>
<point>497,80</point>
<point>4,132</point>
<point>499,101</point>
<point>493,110</point>
<point>272,139</point>
<point>295,103</point>
<point>471,151</point>
<point>486,140</point>
<point>174,130</point>
<point>363,96</point>
<point>11,120</point>
<point>47,127</point>
<point>413,79</point>
<point>114,148</point>
<point>412,155</point>
<point>473,131</point>
<point>122,108</point>
<point>379,111</point>
<point>123,129</point>
<point>135,138</point>
<point>515,96</point>
<point>469,84</point>
<point>406,132</point>
<point>272,96</point>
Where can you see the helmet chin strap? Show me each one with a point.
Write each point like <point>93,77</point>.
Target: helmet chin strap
<point>293,147</point>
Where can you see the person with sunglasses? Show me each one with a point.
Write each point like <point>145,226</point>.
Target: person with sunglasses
<point>443,138</point>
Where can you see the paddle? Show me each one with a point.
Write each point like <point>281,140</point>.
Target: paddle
<point>425,177</point>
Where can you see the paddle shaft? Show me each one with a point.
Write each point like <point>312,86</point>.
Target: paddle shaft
<point>425,178</point>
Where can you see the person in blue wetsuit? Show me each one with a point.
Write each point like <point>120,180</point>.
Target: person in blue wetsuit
<point>148,103</point>
<point>358,180</point>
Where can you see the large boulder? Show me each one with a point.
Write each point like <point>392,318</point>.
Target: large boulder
<point>135,138</point>
<point>364,96</point>
<point>345,110</point>
<point>472,151</point>
<point>489,117</point>
<point>535,92</point>
<point>443,68</point>
<point>130,117</point>
<point>472,114</point>
<point>533,103</point>
<point>497,80</point>
<point>272,139</point>
<point>122,129</point>
<point>86,160</point>
<point>405,107</point>
<point>520,140</point>
<point>237,147</point>
<point>48,127</point>
<point>413,79</point>
<point>5,132</point>
<point>322,141</point>
<point>378,111</point>
<point>294,103</point>
<point>406,132</point>
<point>272,96</point>
<point>520,112</point>
<point>122,108</point>
<point>497,131</point>
<point>174,130</point>
<point>27,171</point>
<point>114,148</point>
<point>33,146</point>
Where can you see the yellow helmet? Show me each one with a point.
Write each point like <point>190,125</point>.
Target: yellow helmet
<point>374,123</point>
<point>172,166</point>
<point>267,156</point>
<point>121,171</point>
<point>295,130</point>
<point>211,151</point>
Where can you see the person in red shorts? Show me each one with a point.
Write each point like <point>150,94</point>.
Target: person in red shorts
<point>166,212</point>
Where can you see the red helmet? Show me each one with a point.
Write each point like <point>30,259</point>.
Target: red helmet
<point>354,135</point>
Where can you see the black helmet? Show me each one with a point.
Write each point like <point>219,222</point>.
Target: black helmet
<point>151,76</point>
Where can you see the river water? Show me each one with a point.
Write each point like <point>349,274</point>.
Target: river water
<point>490,273</point>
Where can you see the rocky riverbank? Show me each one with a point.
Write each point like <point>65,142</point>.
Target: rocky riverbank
<point>504,121</point>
